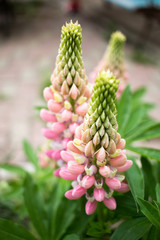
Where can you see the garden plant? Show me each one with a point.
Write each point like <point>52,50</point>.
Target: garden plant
<point>91,179</point>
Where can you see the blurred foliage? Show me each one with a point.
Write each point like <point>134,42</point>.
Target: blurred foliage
<point>139,55</point>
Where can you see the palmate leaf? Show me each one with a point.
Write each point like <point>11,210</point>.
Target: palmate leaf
<point>139,130</point>
<point>150,211</point>
<point>13,231</point>
<point>150,133</point>
<point>136,181</point>
<point>124,109</point>
<point>132,229</point>
<point>146,152</point>
<point>135,119</point>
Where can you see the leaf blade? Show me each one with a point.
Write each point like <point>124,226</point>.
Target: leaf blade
<point>132,229</point>
<point>151,153</point>
<point>13,231</point>
<point>150,212</point>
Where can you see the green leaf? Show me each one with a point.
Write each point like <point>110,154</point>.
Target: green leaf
<point>38,108</point>
<point>138,94</point>
<point>124,109</point>
<point>153,234</point>
<point>150,212</point>
<point>136,182</point>
<point>36,207</point>
<point>158,192</point>
<point>14,169</point>
<point>126,206</point>
<point>13,231</point>
<point>56,199</point>
<point>30,153</point>
<point>134,120</point>
<point>132,229</point>
<point>153,132</point>
<point>72,237</point>
<point>64,217</point>
<point>150,181</point>
<point>141,128</point>
<point>146,152</point>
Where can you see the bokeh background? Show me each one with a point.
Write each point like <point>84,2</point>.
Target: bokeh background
<point>29,40</point>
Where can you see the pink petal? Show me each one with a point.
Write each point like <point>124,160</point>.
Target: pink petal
<point>90,207</point>
<point>113,183</point>
<point>48,133</point>
<point>88,181</point>
<point>66,175</point>
<point>78,191</point>
<point>54,106</point>
<point>99,194</point>
<point>82,109</point>
<point>75,168</point>
<point>47,116</point>
<point>66,156</point>
<point>125,167</point>
<point>110,203</point>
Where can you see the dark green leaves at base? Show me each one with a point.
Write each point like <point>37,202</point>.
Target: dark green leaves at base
<point>150,211</point>
<point>132,229</point>
<point>13,231</point>
<point>136,182</point>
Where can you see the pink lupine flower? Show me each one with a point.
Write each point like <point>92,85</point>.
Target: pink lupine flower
<point>98,150</point>
<point>67,98</point>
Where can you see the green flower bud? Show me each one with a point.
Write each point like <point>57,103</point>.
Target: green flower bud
<point>101,117</point>
<point>114,54</point>
<point>69,63</point>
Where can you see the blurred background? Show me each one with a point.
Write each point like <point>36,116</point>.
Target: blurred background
<point>29,40</point>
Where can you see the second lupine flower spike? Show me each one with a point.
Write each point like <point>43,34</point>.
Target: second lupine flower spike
<point>96,158</point>
<point>113,60</point>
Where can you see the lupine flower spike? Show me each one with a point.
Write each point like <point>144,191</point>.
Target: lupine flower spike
<point>68,95</point>
<point>113,60</point>
<point>96,159</point>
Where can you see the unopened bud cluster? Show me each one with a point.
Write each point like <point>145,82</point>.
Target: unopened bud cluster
<point>69,76</point>
<point>67,96</point>
<point>113,60</point>
<point>96,158</point>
